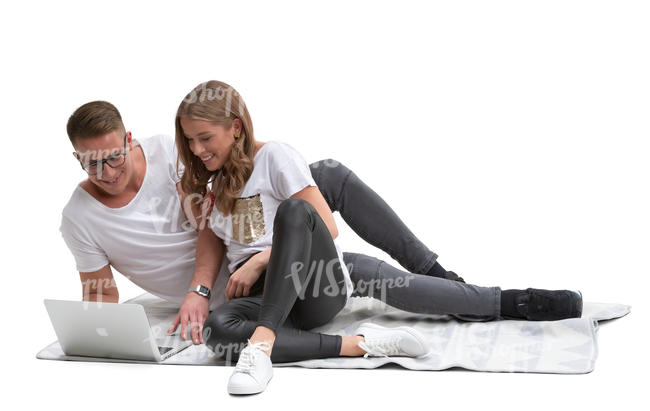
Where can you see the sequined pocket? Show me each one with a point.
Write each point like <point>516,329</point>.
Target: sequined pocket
<point>248,219</point>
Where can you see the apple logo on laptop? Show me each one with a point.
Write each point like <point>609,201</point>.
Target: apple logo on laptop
<point>102,332</point>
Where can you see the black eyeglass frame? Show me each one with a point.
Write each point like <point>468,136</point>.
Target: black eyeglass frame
<point>100,163</point>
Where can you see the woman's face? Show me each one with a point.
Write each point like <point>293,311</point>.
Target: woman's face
<point>211,143</point>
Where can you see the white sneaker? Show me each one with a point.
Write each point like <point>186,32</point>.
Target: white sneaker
<point>253,370</point>
<point>398,341</point>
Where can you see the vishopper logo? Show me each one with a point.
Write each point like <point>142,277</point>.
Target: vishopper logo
<point>480,348</point>
<point>228,352</point>
<point>161,338</point>
<point>334,288</point>
<point>167,214</point>
<point>247,224</point>
<point>92,156</point>
<point>95,286</point>
<point>329,162</point>
<point>216,93</point>
<point>377,288</point>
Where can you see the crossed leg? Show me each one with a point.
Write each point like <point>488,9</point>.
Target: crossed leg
<point>376,222</point>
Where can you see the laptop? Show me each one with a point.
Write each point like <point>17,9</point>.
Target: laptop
<point>110,330</point>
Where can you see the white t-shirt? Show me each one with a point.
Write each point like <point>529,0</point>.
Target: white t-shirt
<point>149,240</point>
<point>279,172</point>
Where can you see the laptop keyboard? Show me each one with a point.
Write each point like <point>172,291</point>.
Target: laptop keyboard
<point>164,350</point>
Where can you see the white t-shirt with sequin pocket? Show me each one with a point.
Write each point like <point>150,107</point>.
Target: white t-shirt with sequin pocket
<point>279,172</point>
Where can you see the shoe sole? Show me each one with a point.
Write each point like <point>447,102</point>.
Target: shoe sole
<point>414,333</point>
<point>245,391</point>
<point>578,306</point>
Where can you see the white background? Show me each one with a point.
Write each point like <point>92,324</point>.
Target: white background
<point>511,136</point>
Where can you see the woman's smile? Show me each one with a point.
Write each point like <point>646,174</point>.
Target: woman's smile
<point>207,158</point>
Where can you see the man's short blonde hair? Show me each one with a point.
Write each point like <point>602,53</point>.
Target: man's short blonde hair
<point>94,119</point>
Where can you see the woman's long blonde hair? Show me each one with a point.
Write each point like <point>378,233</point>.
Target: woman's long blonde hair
<point>218,103</point>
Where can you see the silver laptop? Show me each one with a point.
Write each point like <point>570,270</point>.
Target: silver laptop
<point>110,330</point>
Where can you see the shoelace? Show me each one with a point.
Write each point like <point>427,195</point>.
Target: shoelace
<point>248,355</point>
<point>381,347</point>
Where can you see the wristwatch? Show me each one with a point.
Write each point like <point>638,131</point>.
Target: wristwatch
<point>201,290</point>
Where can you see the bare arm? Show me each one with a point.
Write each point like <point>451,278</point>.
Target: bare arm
<point>195,208</point>
<point>209,255</point>
<point>99,286</point>
<point>195,308</point>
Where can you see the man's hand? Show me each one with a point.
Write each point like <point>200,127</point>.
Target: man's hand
<point>195,310</point>
<point>241,281</point>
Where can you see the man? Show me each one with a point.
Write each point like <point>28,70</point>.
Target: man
<point>127,215</point>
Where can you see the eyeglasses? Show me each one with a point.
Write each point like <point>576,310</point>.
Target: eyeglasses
<point>92,167</point>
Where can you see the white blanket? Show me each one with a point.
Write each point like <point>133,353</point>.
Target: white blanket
<point>565,347</point>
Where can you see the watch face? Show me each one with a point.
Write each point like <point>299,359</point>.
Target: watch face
<point>201,290</point>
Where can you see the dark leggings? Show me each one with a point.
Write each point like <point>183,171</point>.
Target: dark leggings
<point>304,287</point>
<point>374,221</point>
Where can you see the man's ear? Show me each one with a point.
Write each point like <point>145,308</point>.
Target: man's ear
<point>74,153</point>
<point>129,140</point>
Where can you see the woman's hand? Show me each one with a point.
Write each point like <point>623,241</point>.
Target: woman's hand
<point>241,281</point>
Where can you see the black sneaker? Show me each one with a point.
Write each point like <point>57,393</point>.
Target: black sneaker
<point>549,305</point>
<point>453,276</point>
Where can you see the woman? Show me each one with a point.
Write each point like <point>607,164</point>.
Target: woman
<point>273,214</point>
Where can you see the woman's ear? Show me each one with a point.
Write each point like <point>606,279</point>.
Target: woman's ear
<point>238,126</point>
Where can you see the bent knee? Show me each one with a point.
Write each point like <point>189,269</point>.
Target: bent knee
<point>327,163</point>
<point>333,173</point>
<point>292,210</point>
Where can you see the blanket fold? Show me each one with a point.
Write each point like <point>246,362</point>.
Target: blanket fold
<point>565,347</point>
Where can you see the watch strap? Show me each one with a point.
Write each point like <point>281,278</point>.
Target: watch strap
<point>201,290</point>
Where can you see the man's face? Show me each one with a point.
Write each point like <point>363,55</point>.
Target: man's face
<point>90,151</point>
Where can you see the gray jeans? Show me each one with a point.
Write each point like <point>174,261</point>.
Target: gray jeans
<point>374,221</point>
